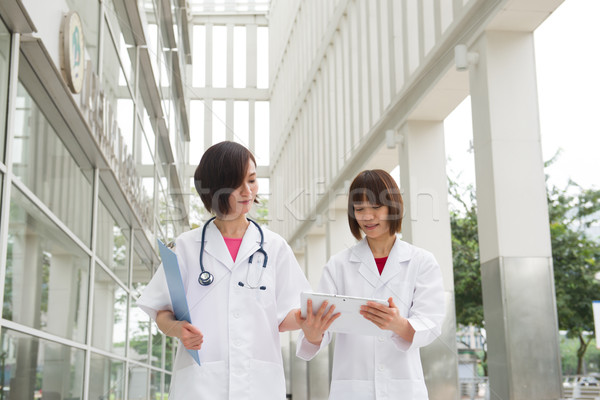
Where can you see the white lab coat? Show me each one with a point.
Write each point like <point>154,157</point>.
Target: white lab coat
<point>241,354</point>
<point>384,366</point>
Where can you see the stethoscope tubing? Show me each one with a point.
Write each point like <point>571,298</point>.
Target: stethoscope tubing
<point>206,278</point>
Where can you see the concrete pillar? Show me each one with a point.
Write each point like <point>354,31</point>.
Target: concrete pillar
<point>426,224</point>
<point>318,367</point>
<point>514,236</point>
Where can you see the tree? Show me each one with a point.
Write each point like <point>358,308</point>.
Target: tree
<point>576,259</point>
<point>465,258</point>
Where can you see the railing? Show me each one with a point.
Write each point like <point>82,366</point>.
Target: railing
<point>474,388</point>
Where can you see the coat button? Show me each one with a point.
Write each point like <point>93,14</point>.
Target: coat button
<point>236,314</point>
<point>381,338</point>
<point>381,367</point>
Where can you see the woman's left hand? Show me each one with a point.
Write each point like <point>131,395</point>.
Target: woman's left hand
<point>388,318</point>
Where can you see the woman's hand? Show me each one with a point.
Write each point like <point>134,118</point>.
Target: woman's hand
<point>191,337</point>
<point>314,326</point>
<point>388,318</point>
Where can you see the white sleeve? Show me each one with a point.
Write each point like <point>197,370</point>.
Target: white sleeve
<point>427,312</point>
<point>155,296</point>
<point>290,283</point>
<point>304,349</point>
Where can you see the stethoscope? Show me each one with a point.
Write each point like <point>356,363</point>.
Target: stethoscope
<point>206,278</point>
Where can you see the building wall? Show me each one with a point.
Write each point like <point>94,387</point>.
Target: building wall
<point>89,180</point>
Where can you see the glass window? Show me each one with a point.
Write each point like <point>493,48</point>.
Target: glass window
<point>157,346</point>
<point>155,385</point>
<point>107,378</point>
<point>44,164</point>
<point>138,382</point>
<point>4,68</point>
<point>240,123</point>
<point>32,366</point>
<point>117,94</point>
<point>112,244</point>
<point>47,274</point>
<point>139,331</point>
<point>110,313</point>
<point>125,41</point>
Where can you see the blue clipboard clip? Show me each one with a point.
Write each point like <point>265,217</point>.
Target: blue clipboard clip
<point>176,291</point>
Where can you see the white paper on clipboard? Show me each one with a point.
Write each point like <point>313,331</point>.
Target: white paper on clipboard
<point>176,291</point>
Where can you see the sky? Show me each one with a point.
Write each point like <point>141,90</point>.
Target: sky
<point>568,72</point>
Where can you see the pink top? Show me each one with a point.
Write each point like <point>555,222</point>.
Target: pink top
<point>233,245</point>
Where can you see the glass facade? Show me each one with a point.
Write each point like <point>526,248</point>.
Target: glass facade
<point>75,250</point>
<point>4,69</point>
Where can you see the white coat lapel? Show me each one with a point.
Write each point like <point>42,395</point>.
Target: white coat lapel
<point>368,269</point>
<point>250,243</point>
<point>400,253</point>
<point>216,247</point>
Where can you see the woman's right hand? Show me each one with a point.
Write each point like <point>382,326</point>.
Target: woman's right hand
<point>314,326</point>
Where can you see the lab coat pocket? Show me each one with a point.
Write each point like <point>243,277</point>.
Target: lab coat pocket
<point>413,389</point>
<point>267,382</point>
<point>351,389</point>
<point>207,381</point>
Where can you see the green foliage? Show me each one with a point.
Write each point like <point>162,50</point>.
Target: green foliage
<point>576,259</point>
<point>570,361</point>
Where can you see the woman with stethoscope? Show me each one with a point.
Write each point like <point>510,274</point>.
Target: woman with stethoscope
<point>242,286</point>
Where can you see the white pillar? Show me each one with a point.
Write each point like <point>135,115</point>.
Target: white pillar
<point>318,367</point>
<point>514,236</point>
<point>426,224</point>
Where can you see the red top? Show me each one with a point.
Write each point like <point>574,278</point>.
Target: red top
<point>380,263</point>
<point>233,245</point>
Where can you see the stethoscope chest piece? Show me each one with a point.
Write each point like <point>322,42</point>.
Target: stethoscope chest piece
<point>205,278</point>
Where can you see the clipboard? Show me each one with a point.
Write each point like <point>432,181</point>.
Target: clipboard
<point>176,291</point>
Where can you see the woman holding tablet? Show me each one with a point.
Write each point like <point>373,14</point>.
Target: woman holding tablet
<point>379,266</point>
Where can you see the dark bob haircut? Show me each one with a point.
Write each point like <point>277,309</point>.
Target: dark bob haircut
<point>222,169</point>
<point>375,187</point>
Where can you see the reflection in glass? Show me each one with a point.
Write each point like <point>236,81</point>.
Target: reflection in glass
<point>157,346</point>
<point>139,331</point>
<point>138,383</point>
<point>4,68</point>
<point>116,91</point>
<point>110,314</point>
<point>46,282</point>
<point>43,163</point>
<point>107,378</point>
<point>155,385</point>
<point>33,366</point>
<point>112,243</point>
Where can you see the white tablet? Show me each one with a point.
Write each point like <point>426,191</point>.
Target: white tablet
<point>350,320</point>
